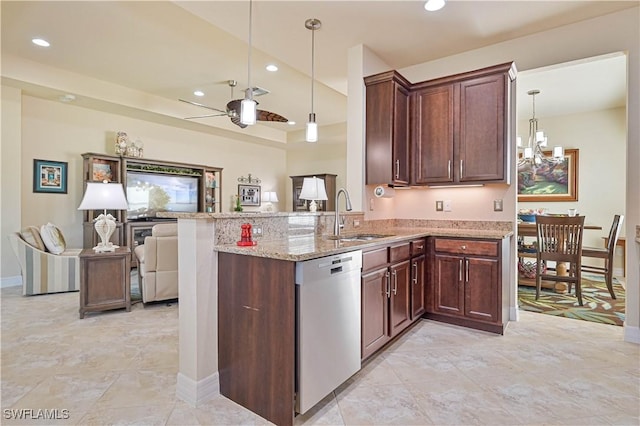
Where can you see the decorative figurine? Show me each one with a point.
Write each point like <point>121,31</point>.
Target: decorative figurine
<point>122,140</point>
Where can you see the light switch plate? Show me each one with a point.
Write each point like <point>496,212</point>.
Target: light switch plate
<point>497,205</point>
<point>439,207</point>
<point>447,205</point>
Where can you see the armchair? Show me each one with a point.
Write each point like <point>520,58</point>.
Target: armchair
<point>158,263</point>
<point>45,272</point>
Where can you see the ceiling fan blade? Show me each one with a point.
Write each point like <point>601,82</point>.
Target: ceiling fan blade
<point>203,106</point>
<point>263,115</point>
<point>204,116</point>
<point>235,119</point>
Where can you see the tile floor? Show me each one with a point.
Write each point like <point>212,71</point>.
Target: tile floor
<point>120,368</point>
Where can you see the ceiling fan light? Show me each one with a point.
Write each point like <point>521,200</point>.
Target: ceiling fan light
<point>433,5</point>
<point>312,129</point>
<point>248,112</point>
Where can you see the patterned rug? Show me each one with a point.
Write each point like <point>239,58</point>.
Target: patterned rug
<point>598,304</point>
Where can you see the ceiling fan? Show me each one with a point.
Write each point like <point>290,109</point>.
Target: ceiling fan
<point>233,109</point>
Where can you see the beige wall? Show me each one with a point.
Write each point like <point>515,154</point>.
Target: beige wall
<point>10,202</point>
<point>56,131</point>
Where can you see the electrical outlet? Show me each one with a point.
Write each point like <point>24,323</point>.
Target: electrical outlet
<point>439,207</point>
<point>447,205</point>
<point>356,223</point>
<point>497,205</point>
<point>257,231</point>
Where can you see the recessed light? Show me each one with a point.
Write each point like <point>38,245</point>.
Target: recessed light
<point>433,5</point>
<point>198,93</point>
<point>272,68</point>
<point>67,98</point>
<point>291,123</point>
<point>40,42</point>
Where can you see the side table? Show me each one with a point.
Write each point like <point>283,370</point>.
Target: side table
<point>105,280</point>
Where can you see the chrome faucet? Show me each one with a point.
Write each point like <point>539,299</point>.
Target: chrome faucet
<point>337,225</point>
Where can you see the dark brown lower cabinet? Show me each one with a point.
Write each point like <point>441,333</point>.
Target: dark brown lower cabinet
<point>418,287</point>
<point>465,286</point>
<point>256,334</point>
<point>389,287</point>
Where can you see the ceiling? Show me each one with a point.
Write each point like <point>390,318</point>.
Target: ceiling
<point>170,49</point>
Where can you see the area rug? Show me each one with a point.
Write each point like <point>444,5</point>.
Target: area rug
<point>598,304</point>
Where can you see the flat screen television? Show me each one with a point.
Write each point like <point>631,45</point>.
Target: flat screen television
<point>150,193</point>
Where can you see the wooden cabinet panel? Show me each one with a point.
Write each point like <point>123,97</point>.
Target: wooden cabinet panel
<point>400,298</point>
<point>256,334</point>
<point>387,129</point>
<point>104,280</point>
<point>448,289</point>
<point>481,137</point>
<point>465,284</point>
<point>433,112</point>
<point>481,281</point>
<point>418,296</point>
<point>375,311</point>
<point>399,252</point>
<point>376,258</point>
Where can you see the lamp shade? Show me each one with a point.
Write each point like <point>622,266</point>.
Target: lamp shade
<point>313,189</point>
<point>103,196</point>
<point>269,197</point>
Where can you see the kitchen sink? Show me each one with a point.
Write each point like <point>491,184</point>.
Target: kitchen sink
<point>358,237</point>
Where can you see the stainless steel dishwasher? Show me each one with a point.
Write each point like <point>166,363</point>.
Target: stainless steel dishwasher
<point>327,325</point>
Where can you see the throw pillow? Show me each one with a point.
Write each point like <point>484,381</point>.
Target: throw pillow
<point>53,239</point>
<point>32,236</point>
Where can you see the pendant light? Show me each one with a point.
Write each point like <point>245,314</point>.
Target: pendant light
<point>248,105</point>
<point>312,126</point>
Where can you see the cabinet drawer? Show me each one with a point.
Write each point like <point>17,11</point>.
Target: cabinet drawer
<point>374,259</point>
<point>418,247</point>
<point>474,247</point>
<point>399,252</point>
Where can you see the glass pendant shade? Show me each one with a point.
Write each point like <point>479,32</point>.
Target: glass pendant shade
<point>558,152</point>
<point>312,129</point>
<point>248,112</point>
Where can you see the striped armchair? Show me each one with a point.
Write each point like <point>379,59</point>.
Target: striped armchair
<point>44,272</point>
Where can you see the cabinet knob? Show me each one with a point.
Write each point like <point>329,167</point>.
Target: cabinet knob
<point>463,247</point>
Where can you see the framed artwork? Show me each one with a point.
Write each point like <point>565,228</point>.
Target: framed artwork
<point>249,195</point>
<point>549,181</point>
<point>102,171</point>
<point>49,176</point>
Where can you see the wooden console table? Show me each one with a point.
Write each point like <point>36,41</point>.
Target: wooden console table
<point>105,280</point>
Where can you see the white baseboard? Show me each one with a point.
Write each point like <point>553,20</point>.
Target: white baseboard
<point>514,313</point>
<point>195,393</point>
<point>11,281</point>
<point>631,334</point>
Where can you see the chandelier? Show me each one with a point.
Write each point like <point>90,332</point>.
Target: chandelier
<point>533,152</point>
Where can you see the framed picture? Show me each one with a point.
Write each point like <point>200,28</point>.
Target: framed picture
<point>102,171</point>
<point>49,176</point>
<point>549,181</point>
<point>249,195</point>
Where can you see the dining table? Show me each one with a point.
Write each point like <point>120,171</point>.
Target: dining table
<point>528,229</point>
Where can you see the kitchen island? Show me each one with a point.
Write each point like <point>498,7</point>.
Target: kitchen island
<point>211,265</point>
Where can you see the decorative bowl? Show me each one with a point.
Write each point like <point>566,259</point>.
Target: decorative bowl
<point>530,218</point>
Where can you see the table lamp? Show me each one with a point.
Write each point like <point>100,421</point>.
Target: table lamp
<point>104,196</point>
<point>313,189</point>
<point>269,197</point>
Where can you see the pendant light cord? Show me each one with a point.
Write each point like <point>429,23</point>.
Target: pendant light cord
<point>250,89</point>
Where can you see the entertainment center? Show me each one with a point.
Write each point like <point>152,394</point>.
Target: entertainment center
<point>151,186</point>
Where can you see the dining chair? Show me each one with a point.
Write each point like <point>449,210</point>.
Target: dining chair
<point>559,240</point>
<point>606,254</point>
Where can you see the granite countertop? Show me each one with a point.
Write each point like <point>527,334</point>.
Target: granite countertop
<point>300,248</point>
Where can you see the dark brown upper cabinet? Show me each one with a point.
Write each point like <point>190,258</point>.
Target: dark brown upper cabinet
<point>462,126</point>
<point>387,129</point>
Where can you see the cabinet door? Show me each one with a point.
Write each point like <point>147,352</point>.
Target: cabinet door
<point>387,129</point>
<point>432,138</point>
<point>401,136</point>
<point>448,285</point>
<point>417,287</point>
<point>400,298</point>
<point>481,144</point>
<point>375,311</point>
<point>482,289</point>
